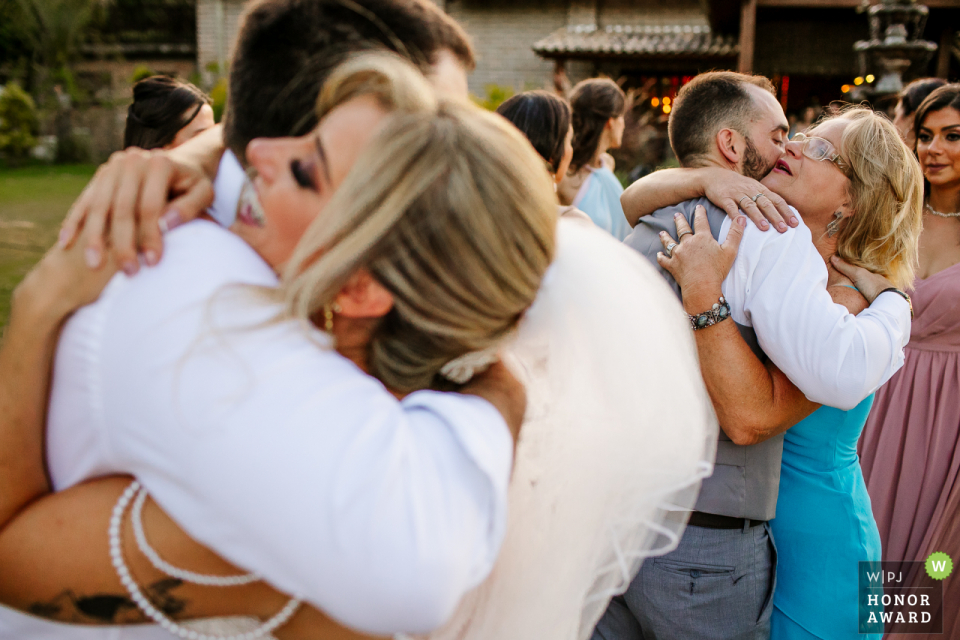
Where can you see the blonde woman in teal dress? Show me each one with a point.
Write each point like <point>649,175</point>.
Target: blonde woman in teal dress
<point>859,190</point>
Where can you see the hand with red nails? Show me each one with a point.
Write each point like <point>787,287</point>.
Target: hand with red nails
<point>131,201</point>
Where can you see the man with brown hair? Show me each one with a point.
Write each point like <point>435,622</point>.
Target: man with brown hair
<point>286,49</point>
<point>740,110</point>
<point>719,581</point>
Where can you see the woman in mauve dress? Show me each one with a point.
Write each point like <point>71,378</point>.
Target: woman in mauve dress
<point>910,450</point>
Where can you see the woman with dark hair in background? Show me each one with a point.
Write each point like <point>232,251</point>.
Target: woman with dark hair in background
<point>166,113</point>
<point>590,185</point>
<point>544,118</point>
<point>915,422</point>
<point>910,98</point>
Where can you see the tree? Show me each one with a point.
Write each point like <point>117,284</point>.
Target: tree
<point>54,30</point>
<point>18,122</point>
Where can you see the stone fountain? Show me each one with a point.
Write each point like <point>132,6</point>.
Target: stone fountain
<point>895,49</point>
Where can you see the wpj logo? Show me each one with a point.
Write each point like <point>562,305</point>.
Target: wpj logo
<point>903,597</point>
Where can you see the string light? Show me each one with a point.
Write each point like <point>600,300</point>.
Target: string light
<point>655,102</point>
<point>858,81</point>
<point>845,88</point>
<point>666,108</point>
<point>666,101</point>
<point>870,78</point>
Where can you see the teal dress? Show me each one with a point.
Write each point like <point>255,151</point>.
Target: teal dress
<point>599,198</point>
<point>823,529</point>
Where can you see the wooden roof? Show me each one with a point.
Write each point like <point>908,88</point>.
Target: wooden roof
<point>635,41</point>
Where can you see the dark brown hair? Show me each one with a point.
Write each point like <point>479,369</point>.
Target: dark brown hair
<point>286,49</point>
<point>710,102</point>
<point>946,97</point>
<point>544,118</point>
<point>593,103</point>
<point>917,91</point>
<point>162,106</point>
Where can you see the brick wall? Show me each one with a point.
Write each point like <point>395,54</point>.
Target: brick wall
<point>503,33</point>
<point>652,12</point>
<point>217,22</point>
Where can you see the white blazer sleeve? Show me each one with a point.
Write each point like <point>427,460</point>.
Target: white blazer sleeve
<point>286,459</point>
<point>779,287</point>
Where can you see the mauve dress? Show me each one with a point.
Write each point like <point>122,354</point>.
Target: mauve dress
<point>910,451</point>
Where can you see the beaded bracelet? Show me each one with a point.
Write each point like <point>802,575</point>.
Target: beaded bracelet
<point>719,312</point>
<point>902,294</point>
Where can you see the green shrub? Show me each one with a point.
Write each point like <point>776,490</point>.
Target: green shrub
<point>219,96</point>
<point>19,123</point>
<point>496,95</point>
<point>142,72</point>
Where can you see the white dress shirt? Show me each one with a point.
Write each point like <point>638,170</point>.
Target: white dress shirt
<point>778,286</point>
<point>270,448</point>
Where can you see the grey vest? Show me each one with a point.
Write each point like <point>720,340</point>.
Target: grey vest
<point>746,479</point>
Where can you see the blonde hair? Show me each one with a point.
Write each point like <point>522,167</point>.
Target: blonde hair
<point>448,208</point>
<point>886,186</point>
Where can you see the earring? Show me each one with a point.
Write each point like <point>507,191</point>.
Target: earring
<point>328,311</point>
<point>834,225</point>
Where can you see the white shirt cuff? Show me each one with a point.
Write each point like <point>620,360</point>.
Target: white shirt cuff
<point>895,306</point>
<point>226,190</point>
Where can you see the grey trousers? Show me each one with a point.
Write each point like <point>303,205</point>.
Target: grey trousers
<point>716,585</point>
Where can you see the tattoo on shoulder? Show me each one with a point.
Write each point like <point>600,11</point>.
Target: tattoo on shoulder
<point>110,608</point>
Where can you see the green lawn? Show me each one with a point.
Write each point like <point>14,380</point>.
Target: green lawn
<point>33,202</point>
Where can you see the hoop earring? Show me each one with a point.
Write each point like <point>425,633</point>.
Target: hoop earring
<point>834,225</point>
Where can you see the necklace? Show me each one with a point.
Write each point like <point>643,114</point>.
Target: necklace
<point>174,572</point>
<point>943,215</point>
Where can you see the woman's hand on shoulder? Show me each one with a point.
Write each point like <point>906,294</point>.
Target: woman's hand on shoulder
<point>697,261</point>
<point>62,282</point>
<point>131,201</point>
<point>733,192</point>
<point>869,284</point>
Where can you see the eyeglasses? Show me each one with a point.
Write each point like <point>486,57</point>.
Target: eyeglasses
<point>820,149</point>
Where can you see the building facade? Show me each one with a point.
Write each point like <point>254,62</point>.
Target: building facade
<point>521,44</point>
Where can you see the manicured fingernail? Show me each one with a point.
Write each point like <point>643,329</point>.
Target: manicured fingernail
<point>834,259</point>
<point>92,256</point>
<point>782,227</point>
<point>150,257</point>
<point>63,238</point>
<point>170,220</point>
<point>129,268</point>
<point>793,221</point>
<point>742,221</point>
<point>677,215</point>
<point>764,225</point>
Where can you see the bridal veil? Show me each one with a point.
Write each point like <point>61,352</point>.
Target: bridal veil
<point>618,434</point>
